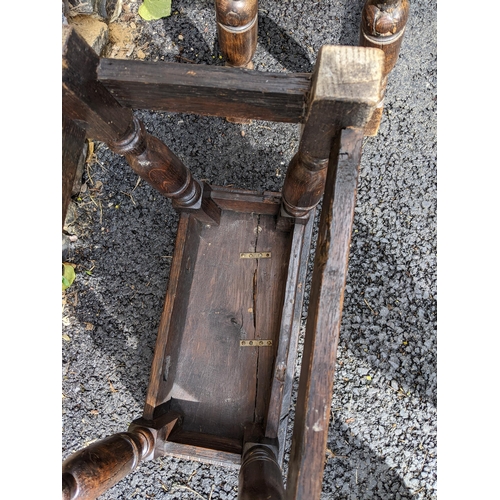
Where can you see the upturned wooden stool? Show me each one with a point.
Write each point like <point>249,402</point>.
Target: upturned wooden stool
<point>221,378</point>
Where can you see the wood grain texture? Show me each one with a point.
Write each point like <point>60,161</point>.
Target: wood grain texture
<point>237,25</point>
<point>205,453</point>
<point>345,89</point>
<point>312,410</point>
<point>206,90</point>
<point>174,308</point>
<point>153,161</point>
<point>241,200</point>
<point>84,99</point>
<point>91,471</point>
<point>269,290</point>
<point>73,141</point>
<point>215,299</point>
<point>284,363</point>
<point>260,475</point>
<point>214,382</point>
<point>383,24</point>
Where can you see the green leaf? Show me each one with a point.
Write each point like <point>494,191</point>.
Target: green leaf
<point>155,9</point>
<point>68,276</point>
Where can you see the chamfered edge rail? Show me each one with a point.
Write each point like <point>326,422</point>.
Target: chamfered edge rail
<point>205,90</point>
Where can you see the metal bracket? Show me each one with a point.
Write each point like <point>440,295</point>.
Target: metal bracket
<point>256,343</point>
<point>255,255</point>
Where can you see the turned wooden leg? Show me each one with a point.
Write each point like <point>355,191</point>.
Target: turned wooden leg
<point>156,164</point>
<point>344,91</point>
<point>93,108</point>
<point>260,475</point>
<point>91,471</point>
<point>383,25</point>
<point>237,30</point>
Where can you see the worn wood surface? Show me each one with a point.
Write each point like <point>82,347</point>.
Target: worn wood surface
<point>383,25</point>
<point>214,382</point>
<point>241,200</point>
<point>202,451</point>
<point>207,441</point>
<point>84,99</point>
<point>206,90</point>
<point>237,25</point>
<point>185,252</point>
<point>260,475</point>
<point>312,410</point>
<point>215,299</point>
<point>73,141</point>
<point>345,89</point>
<point>269,285</point>
<point>93,470</point>
<point>284,363</point>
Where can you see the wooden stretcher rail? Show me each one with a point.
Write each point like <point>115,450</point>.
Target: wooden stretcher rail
<point>205,90</point>
<point>312,409</point>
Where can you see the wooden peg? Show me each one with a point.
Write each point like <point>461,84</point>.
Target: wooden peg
<point>237,22</point>
<point>383,25</point>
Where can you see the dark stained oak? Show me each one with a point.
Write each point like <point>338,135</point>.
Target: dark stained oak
<point>237,25</point>
<point>91,471</point>
<point>73,140</point>
<point>284,362</point>
<point>216,299</point>
<point>260,476</point>
<point>344,91</point>
<point>312,410</point>
<point>206,90</point>
<point>90,105</point>
<point>383,24</point>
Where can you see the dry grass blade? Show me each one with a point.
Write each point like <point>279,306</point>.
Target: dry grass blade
<point>130,196</point>
<point>137,183</point>
<point>189,489</point>
<point>111,386</point>
<point>369,307</point>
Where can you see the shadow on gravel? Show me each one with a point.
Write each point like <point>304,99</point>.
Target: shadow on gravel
<point>388,320</point>
<point>350,19</point>
<point>357,472</point>
<point>282,46</point>
<point>192,45</point>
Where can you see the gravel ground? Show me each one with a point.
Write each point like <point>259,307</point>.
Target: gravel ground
<point>382,434</point>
